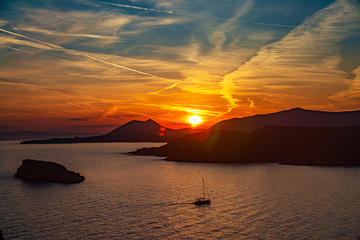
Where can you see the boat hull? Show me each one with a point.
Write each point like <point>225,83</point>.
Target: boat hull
<point>202,202</point>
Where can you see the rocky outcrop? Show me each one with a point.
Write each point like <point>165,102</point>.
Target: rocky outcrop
<point>42,171</point>
<point>271,144</point>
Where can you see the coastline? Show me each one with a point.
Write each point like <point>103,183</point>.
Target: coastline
<point>272,144</point>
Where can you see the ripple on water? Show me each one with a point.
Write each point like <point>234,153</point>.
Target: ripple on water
<point>132,197</point>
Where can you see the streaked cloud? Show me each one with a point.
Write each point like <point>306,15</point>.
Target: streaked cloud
<point>308,55</point>
<point>159,22</point>
<point>350,96</point>
<point>3,22</point>
<point>110,62</point>
<point>49,46</point>
<point>34,42</point>
<point>110,111</point>
<point>34,87</point>
<point>12,40</point>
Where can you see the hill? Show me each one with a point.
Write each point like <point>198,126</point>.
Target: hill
<point>292,117</point>
<point>338,146</point>
<point>151,131</point>
<point>133,131</point>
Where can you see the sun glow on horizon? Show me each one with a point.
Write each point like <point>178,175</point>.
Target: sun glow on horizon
<point>194,120</point>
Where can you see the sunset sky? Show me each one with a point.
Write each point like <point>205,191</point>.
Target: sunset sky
<point>90,66</point>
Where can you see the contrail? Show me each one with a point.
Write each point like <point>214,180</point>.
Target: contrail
<point>219,18</point>
<point>258,23</point>
<point>276,25</point>
<point>139,8</point>
<point>118,66</point>
<point>55,33</point>
<point>166,88</point>
<point>172,12</point>
<point>32,39</point>
<point>75,52</point>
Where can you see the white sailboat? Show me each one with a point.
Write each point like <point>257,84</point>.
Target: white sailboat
<point>203,200</point>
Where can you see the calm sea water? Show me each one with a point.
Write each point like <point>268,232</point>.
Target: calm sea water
<point>139,197</point>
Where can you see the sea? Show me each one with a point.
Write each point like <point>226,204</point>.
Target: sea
<point>146,197</point>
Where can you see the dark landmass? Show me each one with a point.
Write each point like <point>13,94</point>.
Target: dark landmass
<point>22,135</point>
<point>151,131</point>
<point>42,171</point>
<point>133,131</point>
<point>293,117</point>
<point>338,146</point>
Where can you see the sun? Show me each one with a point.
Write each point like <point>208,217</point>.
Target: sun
<point>194,120</point>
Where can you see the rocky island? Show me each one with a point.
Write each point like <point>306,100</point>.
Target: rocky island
<point>43,171</point>
<point>321,146</point>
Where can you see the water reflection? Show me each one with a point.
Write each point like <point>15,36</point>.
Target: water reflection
<point>135,197</point>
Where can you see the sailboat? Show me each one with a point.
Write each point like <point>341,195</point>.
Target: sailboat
<point>203,200</point>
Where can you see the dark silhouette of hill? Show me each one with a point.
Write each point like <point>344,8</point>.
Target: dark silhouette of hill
<point>292,117</point>
<point>149,127</point>
<point>28,135</point>
<point>338,146</point>
<point>137,127</point>
<point>133,131</point>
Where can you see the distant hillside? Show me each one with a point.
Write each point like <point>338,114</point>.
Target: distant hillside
<point>151,131</point>
<point>272,144</point>
<point>137,127</point>
<point>133,131</point>
<point>149,127</point>
<point>21,135</point>
<point>292,117</point>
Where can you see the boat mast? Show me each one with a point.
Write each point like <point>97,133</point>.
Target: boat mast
<point>203,186</point>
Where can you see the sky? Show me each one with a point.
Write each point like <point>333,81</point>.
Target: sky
<point>90,66</point>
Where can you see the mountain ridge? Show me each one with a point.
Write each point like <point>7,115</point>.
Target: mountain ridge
<point>132,131</point>
<point>136,126</point>
<point>151,131</point>
<point>291,117</point>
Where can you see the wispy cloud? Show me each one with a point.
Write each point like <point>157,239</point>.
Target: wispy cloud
<point>218,38</point>
<point>308,55</point>
<point>34,87</point>
<point>350,98</point>
<point>49,46</point>
<point>110,111</point>
<point>167,59</point>
<point>187,109</point>
<point>6,40</point>
<point>160,22</point>
<point>39,43</point>
<point>3,22</point>
<point>98,25</point>
<point>17,49</point>
<point>166,88</point>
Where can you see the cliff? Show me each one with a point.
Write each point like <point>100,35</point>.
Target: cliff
<point>271,144</point>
